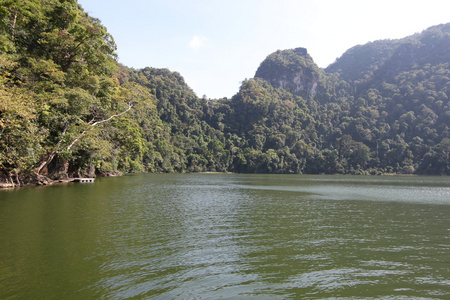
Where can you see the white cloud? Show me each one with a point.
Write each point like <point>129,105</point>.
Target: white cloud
<point>197,43</point>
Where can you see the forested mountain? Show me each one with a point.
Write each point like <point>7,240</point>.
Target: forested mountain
<point>68,109</point>
<point>293,70</point>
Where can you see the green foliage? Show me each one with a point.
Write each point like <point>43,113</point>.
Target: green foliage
<point>58,91</point>
<point>293,70</point>
<point>67,108</point>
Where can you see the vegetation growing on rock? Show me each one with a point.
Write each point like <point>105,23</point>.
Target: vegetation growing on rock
<point>68,109</point>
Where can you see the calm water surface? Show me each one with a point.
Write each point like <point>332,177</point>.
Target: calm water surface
<point>227,236</point>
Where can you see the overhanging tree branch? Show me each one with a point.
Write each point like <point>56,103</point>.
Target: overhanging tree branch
<point>52,155</point>
<point>96,123</point>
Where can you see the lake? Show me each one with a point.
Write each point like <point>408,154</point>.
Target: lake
<point>228,236</point>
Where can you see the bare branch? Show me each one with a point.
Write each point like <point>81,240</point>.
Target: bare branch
<point>96,123</point>
<point>114,116</point>
<point>56,151</point>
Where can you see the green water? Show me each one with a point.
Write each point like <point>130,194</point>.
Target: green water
<point>226,236</point>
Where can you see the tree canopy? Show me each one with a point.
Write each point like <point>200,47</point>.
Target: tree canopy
<point>67,108</point>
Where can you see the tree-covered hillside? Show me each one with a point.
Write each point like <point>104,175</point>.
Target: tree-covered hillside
<point>68,109</point>
<point>405,85</point>
<point>60,102</point>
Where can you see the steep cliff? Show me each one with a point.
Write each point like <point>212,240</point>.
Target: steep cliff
<point>293,70</point>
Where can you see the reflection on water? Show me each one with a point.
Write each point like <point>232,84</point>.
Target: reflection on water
<point>210,236</point>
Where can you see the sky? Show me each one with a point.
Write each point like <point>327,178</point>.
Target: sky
<point>216,44</point>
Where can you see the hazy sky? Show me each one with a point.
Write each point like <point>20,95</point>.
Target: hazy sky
<point>215,44</point>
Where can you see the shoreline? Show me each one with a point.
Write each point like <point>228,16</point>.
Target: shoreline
<point>45,181</point>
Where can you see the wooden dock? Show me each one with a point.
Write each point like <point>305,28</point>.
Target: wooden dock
<point>84,180</point>
<point>79,180</point>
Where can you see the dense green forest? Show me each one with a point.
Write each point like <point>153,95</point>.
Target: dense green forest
<point>68,109</point>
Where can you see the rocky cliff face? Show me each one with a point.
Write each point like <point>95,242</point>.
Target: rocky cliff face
<point>293,70</point>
